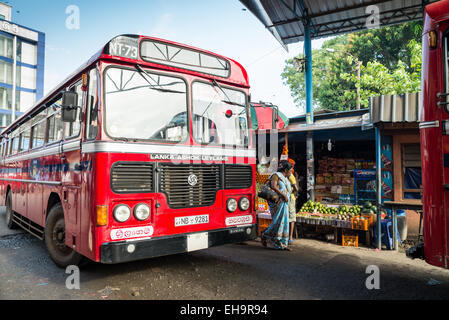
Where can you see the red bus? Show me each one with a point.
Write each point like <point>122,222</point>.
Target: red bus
<point>144,151</point>
<point>434,129</point>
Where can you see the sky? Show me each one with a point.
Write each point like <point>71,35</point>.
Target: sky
<point>219,26</point>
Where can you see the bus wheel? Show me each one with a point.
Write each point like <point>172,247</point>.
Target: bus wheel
<point>9,213</point>
<point>61,255</point>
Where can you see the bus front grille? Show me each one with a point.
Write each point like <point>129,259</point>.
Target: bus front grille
<point>205,181</point>
<point>132,177</point>
<point>238,176</point>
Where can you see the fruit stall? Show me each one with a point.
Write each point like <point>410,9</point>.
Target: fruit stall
<point>343,224</point>
<point>345,220</point>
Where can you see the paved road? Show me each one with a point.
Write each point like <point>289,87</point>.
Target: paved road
<point>314,270</point>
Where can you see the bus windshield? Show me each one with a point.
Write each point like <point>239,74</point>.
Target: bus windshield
<point>219,115</point>
<point>145,106</point>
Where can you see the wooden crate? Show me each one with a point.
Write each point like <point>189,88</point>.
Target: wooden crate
<point>350,241</point>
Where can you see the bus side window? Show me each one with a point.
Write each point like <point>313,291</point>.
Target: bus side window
<point>92,107</point>
<point>55,126</point>
<point>38,135</point>
<point>15,145</point>
<point>25,140</point>
<point>21,138</point>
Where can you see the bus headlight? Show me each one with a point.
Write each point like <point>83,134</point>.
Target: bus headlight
<point>142,212</point>
<point>122,213</point>
<point>244,204</point>
<point>231,205</point>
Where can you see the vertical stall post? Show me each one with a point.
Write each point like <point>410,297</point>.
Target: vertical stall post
<point>309,111</point>
<point>310,167</point>
<point>395,229</point>
<point>309,78</point>
<point>379,187</point>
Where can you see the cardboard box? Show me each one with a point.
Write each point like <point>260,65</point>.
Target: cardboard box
<point>336,189</point>
<point>348,190</point>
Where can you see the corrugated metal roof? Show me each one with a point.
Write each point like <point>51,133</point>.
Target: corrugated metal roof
<point>396,108</point>
<point>285,19</point>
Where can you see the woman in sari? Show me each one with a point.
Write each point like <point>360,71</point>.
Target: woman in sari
<point>277,234</point>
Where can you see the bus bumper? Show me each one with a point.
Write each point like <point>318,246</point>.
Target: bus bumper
<point>126,251</point>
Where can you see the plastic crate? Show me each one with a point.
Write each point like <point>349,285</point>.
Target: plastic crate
<point>359,224</point>
<point>263,225</point>
<point>370,219</point>
<point>350,241</point>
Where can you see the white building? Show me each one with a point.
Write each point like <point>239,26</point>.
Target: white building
<point>22,58</point>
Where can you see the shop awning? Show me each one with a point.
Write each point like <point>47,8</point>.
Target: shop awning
<point>285,19</point>
<point>267,116</point>
<point>327,124</point>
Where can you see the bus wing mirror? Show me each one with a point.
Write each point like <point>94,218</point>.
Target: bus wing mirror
<point>69,106</point>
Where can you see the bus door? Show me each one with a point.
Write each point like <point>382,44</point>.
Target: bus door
<point>72,168</point>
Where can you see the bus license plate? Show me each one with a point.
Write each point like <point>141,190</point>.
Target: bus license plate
<point>188,221</point>
<point>197,241</point>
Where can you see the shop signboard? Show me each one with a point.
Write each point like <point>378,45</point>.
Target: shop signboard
<point>387,168</point>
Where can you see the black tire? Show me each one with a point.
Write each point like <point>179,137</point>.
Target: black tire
<point>61,255</point>
<point>9,213</point>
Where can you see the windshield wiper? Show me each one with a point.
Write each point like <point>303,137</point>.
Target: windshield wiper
<point>234,104</point>
<point>152,86</point>
<point>229,101</point>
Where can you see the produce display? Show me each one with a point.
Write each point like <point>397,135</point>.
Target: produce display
<point>344,212</point>
<point>369,208</point>
<point>344,216</point>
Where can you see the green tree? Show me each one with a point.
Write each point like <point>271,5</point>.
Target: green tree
<point>390,64</point>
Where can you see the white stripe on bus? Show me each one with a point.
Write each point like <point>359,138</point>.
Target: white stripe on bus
<point>114,147</point>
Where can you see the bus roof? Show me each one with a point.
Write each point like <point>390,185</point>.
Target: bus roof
<point>120,49</point>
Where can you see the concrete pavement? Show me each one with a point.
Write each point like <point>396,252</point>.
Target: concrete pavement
<point>313,270</point>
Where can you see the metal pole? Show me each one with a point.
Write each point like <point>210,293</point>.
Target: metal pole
<point>395,229</point>
<point>309,77</point>
<point>310,167</point>
<point>309,112</point>
<point>379,187</point>
<point>359,66</point>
